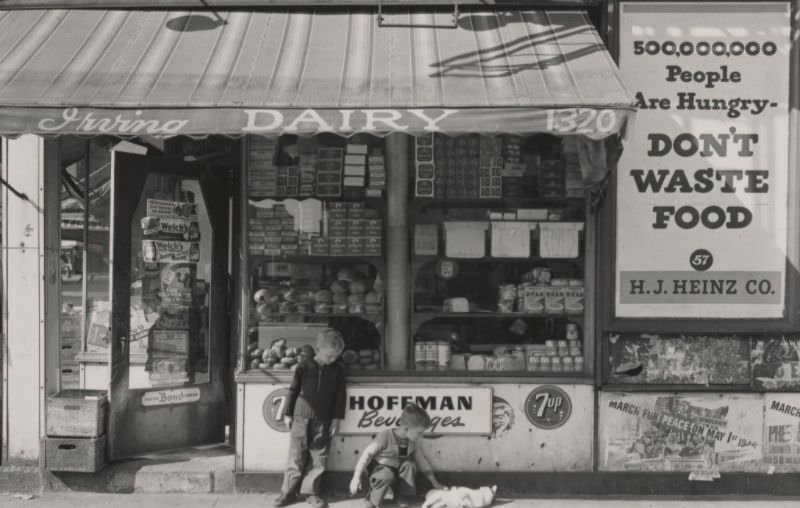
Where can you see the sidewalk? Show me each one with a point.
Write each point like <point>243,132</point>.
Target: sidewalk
<point>83,500</point>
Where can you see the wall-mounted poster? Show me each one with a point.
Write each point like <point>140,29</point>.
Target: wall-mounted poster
<point>704,432</point>
<point>775,362</point>
<point>678,359</point>
<point>702,182</point>
<point>782,432</point>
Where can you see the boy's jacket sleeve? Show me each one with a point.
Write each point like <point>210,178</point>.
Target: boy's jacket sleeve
<point>294,390</point>
<point>341,396</point>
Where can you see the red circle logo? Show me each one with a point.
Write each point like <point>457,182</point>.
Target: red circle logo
<point>274,409</point>
<point>548,407</point>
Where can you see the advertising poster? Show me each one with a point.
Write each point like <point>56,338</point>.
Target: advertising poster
<point>702,181</point>
<point>530,428</point>
<point>782,432</point>
<point>775,363</point>
<point>678,359</point>
<point>703,432</point>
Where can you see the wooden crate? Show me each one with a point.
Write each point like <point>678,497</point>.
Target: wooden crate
<point>84,455</point>
<point>77,413</point>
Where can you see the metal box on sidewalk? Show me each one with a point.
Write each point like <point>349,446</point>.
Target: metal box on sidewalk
<point>77,413</point>
<point>83,455</point>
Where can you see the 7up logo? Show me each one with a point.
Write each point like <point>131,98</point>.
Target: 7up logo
<point>548,407</point>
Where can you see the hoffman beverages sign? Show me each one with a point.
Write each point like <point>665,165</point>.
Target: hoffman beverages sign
<point>452,410</point>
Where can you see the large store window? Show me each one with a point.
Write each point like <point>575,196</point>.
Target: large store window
<point>85,212</point>
<point>498,253</point>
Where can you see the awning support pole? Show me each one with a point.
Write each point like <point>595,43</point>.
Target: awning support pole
<point>398,267</point>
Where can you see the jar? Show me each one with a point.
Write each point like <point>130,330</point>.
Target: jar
<point>431,355</point>
<point>476,362</point>
<point>506,298</point>
<point>572,332</point>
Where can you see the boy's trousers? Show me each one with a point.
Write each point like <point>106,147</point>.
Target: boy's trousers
<point>309,439</point>
<point>383,477</point>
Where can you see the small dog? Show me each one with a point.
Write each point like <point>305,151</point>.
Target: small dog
<point>460,497</point>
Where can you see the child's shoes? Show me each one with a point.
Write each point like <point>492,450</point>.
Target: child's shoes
<point>316,502</point>
<point>283,499</point>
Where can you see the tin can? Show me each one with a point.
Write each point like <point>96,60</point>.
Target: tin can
<point>431,355</point>
<point>578,363</point>
<point>533,298</point>
<point>572,332</point>
<point>567,364</point>
<point>544,363</point>
<point>534,363</point>
<point>574,301</point>
<point>522,290</point>
<point>420,355</point>
<point>542,275</point>
<point>507,292</point>
<point>443,355</point>
<point>554,300</point>
<point>556,365</point>
<point>575,282</point>
<point>575,351</point>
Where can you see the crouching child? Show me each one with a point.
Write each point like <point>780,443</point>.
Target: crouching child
<point>392,459</point>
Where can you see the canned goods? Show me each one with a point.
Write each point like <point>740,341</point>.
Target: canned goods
<point>542,275</point>
<point>544,363</point>
<point>555,364</point>
<point>419,355</point>
<point>534,363</point>
<point>550,343</point>
<point>443,355</point>
<point>574,302</point>
<point>533,298</point>
<point>575,351</point>
<point>431,355</point>
<point>505,306</point>
<point>561,283</point>
<point>578,363</point>
<point>554,300</point>
<point>507,292</point>
<point>567,364</point>
<point>572,332</point>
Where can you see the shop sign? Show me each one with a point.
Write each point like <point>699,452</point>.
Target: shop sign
<point>274,409</point>
<point>171,209</point>
<point>169,397</point>
<point>548,407</point>
<point>702,183</point>
<point>679,432</point>
<point>452,410</point>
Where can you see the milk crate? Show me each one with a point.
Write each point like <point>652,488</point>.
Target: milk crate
<point>83,455</point>
<point>76,413</point>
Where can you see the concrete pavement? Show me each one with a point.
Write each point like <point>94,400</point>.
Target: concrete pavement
<point>86,500</point>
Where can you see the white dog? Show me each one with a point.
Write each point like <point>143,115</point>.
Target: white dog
<point>460,497</point>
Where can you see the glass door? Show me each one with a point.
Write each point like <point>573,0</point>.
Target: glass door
<point>169,353</point>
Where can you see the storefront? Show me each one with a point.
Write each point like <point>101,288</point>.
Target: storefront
<point>440,186</point>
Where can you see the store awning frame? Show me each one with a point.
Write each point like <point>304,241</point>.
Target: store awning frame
<point>168,73</point>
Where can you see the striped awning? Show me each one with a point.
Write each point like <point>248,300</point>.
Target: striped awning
<point>197,73</point>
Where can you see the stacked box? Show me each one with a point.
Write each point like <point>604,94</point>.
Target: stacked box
<point>573,185</point>
<point>329,166</point>
<point>262,179</point>
<point>490,167</point>
<point>355,169</point>
<point>425,174</point>
<point>513,168</point>
<point>272,232</point>
<point>307,153</point>
<point>551,178</point>
<point>376,183</point>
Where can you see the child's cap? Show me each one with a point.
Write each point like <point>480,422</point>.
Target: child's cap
<point>331,339</point>
<point>414,416</point>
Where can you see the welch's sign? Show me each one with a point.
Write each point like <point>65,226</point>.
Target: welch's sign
<point>452,410</point>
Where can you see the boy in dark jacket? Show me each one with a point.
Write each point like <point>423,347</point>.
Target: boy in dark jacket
<point>313,411</point>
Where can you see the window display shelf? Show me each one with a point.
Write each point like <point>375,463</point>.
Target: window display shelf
<point>376,261</point>
<point>506,203</point>
<point>425,316</point>
<point>297,318</point>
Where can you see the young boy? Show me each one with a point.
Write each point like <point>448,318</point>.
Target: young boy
<point>314,409</point>
<point>392,459</point>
